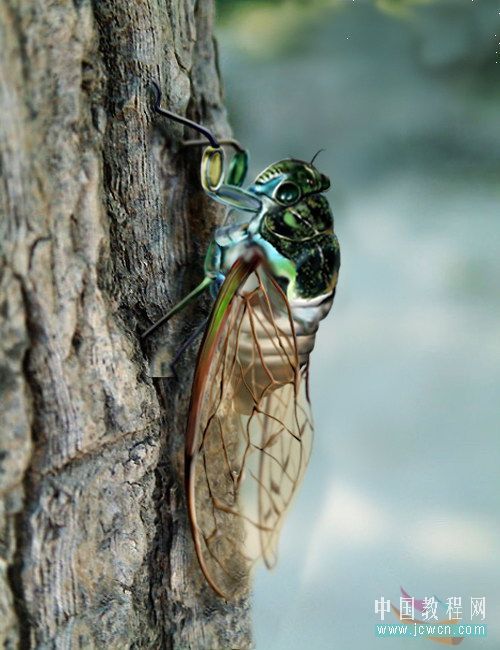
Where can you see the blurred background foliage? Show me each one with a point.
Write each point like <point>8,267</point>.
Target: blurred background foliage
<point>267,28</point>
<point>403,487</point>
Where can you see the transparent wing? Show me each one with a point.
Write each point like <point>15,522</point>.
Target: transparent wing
<point>250,429</point>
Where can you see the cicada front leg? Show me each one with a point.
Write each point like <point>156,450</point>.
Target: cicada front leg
<point>213,180</point>
<point>221,186</point>
<point>236,170</point>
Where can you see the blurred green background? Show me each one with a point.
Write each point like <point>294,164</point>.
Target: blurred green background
<point>404,483</point>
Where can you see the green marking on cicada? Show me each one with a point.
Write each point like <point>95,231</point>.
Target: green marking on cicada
<point>238,168</point>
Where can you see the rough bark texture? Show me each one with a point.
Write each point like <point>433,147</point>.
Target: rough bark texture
<point>103,228</point>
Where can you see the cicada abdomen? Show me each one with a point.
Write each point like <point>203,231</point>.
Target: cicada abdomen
<point>275,340</point>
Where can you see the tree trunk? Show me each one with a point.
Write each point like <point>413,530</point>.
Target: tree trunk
<point>103,225</point>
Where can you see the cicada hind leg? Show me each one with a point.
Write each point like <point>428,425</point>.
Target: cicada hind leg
<point>266,348</point>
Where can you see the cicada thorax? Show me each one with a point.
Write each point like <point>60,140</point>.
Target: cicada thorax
<point>283,307</point>
<point>302,234</point>
<point>303,254</point>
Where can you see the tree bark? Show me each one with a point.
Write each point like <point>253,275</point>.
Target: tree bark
<point>103,228</point>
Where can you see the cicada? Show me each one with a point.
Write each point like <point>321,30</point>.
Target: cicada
<point>272,267</point>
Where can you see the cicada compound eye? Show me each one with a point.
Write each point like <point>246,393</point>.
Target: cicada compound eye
<point>287,193</point>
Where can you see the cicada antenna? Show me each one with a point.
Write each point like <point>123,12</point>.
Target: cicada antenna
<point>183,120</point>
<point>316,155</point>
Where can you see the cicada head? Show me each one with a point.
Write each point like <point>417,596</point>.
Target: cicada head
<point>288,181</point>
